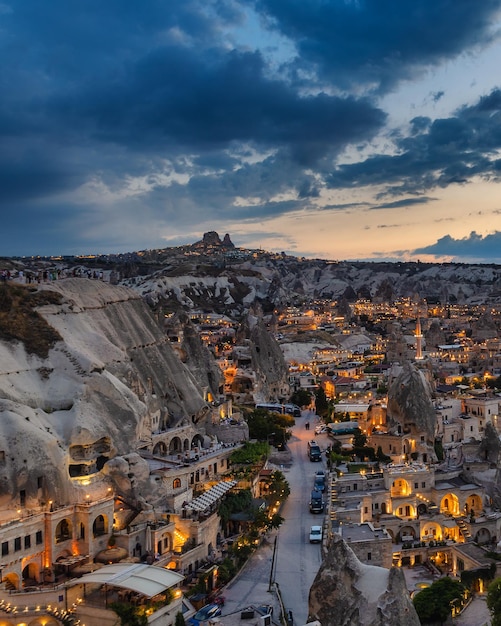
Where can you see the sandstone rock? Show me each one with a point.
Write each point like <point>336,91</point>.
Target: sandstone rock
<point>410,400</point>
<point>93,399</point>
<point>346,592</point>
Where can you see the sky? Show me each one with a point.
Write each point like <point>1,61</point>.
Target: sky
<point>336,129</point>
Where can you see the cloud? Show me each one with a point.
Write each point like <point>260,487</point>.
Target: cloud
<point>378,43</point>
<point>123,120</point>
<point>402,204</point>
<point>447,151</point>
<point>474,247</point>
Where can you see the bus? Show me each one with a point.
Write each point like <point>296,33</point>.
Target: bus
<point>274,407</point>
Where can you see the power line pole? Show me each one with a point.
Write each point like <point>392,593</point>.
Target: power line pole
<point>273,562</point>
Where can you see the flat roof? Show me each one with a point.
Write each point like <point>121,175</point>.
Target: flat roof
<point>362,532</point>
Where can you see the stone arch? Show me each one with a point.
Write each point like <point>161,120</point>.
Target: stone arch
<point>473,503</point>
<point>186,445</point>
<point>175,445</point>
<point>197,442</point>
<point>13,580</point>
<point>100,526</point>
<point>450,504</point>
<point>400,487</point>
<point>483,536</point>
<point>176,483</point>
<point>422,509</point>
<point>164,543</point>
<point>63,530</point>
<point>6,622</point>
<point>31,574</point>
<point>408,531</point>
<point>160,449</point>
<point>404,509</point>
<point>408,446</point>
<point>431,531</point>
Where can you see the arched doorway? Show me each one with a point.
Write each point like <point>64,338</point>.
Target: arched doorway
<point>483,536</point>
<point>30,575</point>
<point>11,581</point>
<point>63,531</point>
<point>473,503</point>
<point>100,526</point>
<point>175,445</point>
<point>160,449</point>
<point>400,487</point>
<point>422,509</point>
<point>450,504</point>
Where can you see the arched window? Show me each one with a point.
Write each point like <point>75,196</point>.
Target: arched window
<point>63,531</point>
<point>99,526</point>
<point>176,483</point>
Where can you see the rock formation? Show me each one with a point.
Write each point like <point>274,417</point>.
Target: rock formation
<point>346,592</point>
<point>266,358</point>
<point>410,399</point>
<point>410,408</point>
<point>109,380</point>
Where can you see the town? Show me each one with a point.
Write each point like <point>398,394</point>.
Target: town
<point>407,399</point>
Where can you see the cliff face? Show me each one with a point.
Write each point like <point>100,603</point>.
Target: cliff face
<point>346,592</point>
<point>231,287</point>
<point>410,401</point>
<point>101,389</point>
<point>267,359</point>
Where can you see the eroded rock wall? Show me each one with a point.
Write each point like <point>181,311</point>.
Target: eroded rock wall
<point>346,592</point>
<point>100,391</point>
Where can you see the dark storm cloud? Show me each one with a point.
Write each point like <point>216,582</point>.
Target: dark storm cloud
<point>378,43</point>
<point>97,93</point>
<point>196,101</point>
<point>437,154</point>
<point>402,204</point>
<point>155,81</point>
<point>473,247</point>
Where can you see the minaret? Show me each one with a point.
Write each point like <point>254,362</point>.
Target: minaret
<point>419,336</point>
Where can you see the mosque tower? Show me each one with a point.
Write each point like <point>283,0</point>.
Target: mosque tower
<point>419,340</point>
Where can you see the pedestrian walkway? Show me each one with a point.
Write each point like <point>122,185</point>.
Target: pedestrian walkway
<point>475,614</point>
<point>253,585</point>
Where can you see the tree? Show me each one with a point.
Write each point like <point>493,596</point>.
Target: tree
<point>129,615</point>
<point>301,397</point>
<point>278,488</point>
<point>381,456</point>
<point>321,402</point>
<point>265,424</point>
<point>434,604</point>
<point>180,621</point>
<point>494,601</point>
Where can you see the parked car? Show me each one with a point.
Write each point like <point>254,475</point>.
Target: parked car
<point>205,613</point>
<point>317,504</point>
<point>319,482</point>
<point>315,534</point>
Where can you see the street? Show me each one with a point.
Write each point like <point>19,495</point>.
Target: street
<point>298,561</point>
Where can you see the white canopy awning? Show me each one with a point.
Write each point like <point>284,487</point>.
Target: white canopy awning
<point>211,496</point>
<point>146,579</point>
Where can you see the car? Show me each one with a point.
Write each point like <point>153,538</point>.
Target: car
<point>319,483</point>
<point>206,613</point>
<point>316,534</point>
<point>316,502</point>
